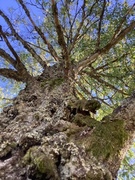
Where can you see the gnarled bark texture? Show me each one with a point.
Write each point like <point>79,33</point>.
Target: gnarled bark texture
<point>41,138</point>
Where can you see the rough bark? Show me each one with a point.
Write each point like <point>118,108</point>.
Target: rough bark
<point>41,137</point>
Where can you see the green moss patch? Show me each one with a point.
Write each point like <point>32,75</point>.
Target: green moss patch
<point>82,120</point>
<point>41,161</point>
<point>107,139</point>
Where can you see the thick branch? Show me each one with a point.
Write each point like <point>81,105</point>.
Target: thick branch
<point>58,27</point>
<point>7,57</point>
<point>60,35</point>
<point>11,74</point>
<point>85,62</point>
<point>119,37</point>
<point>90,59</point>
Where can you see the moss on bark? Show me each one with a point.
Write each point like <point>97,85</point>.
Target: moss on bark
<point>42,163</point>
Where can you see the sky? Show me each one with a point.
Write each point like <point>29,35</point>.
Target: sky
<point>5,84</point>
<point>5,5</point>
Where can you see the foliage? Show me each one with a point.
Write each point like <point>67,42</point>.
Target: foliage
<point>91,40</point>
<point>74,31</point>
<point>8,91</point>
<point>127,170</point>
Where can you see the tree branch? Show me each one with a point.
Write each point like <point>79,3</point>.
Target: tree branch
<point>58,27</point>
<point>17,64</point>
<point>25,44</point>
<point>107,84</point>
<point>90,59</point>
<point>119,37</point>
<point>50,47</point>
<point>106,66</point>
<point>11,74</point>
<point>38,46</point>
<point>118,30</point>
<point>60,35</point>
<point>7,57</point>
<point>84,16</point>
<point>9,45</point>
<point>71,22</point>
<point>100,23</point>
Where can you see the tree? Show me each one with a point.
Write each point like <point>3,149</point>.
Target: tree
<point>77,50</point>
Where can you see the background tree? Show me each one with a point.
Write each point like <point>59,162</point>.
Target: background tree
<point>64,51</point>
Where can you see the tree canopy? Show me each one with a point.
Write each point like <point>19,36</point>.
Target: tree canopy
<point>92,41</point>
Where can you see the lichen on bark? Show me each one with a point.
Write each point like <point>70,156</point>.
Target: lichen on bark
<point>50,140</point>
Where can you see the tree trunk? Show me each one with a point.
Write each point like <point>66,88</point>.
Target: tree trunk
<point>43,138</point>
